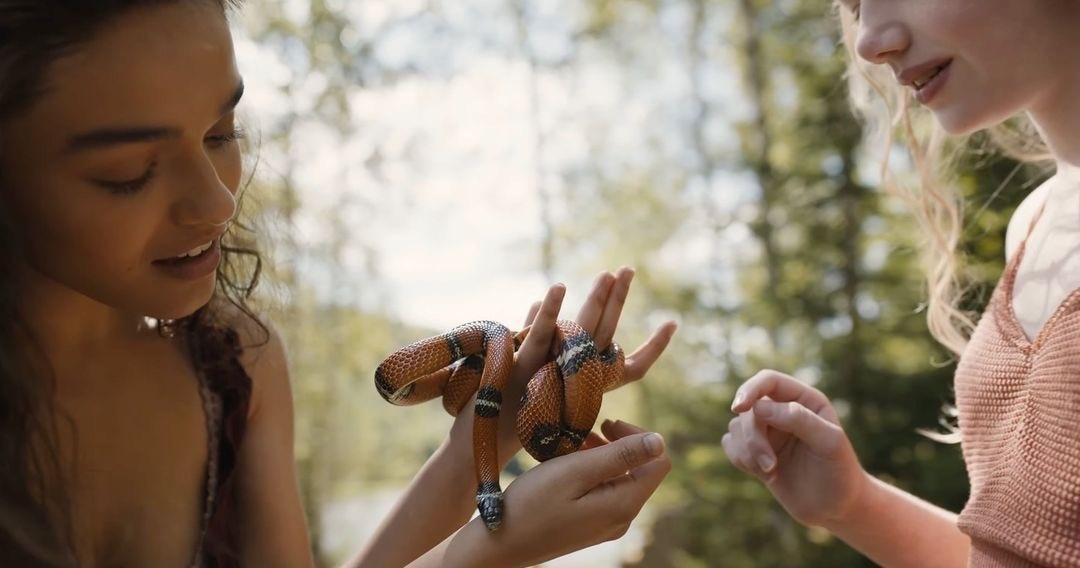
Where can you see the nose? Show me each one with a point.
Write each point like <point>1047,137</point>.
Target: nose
<point>202,198</point>
<point>879,41</point>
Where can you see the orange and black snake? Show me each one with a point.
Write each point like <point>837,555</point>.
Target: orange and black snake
<point>558,410</point>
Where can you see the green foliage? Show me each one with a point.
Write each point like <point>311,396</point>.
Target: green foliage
<point>764,241</point>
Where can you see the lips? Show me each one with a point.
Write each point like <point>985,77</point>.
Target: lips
<point>919,75</point>
<point>927,79</point>
<point>920,83</point>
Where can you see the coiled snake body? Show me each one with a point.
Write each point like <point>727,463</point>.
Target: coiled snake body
<point>558,410</point>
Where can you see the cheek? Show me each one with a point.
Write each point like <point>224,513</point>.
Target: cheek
<point>94,244</point>
<point>1000,68</point>
<point>89,239</point>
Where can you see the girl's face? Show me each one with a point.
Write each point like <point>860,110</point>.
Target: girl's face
<point>992,58</point>
<point>129,158</point>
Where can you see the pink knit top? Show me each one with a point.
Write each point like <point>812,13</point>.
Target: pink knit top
<point>1019,412</point>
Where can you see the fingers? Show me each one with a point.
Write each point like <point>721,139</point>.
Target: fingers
<point>593,308</point>
<point>823,437</point>
<point>593,440</point>
<point>534,350</point>
<point>778,387</point>
<point>641,360</point>
<point>590,468</point>
<point>613,430</point>
<point>623,495</point>
<point>609,318</point>
<point>617,429</point>
<point>750,448</point>
<point>532,313</point>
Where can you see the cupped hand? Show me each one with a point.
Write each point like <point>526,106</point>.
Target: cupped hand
<point>570,502</point>
<point>788,435</point>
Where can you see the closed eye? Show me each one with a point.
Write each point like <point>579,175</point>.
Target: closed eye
<point>219,140</point>
<point>126,187</point>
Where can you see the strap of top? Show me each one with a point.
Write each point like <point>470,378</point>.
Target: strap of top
<point>213,410</point>
<point>1013,264</point>
<point>1034,220</point>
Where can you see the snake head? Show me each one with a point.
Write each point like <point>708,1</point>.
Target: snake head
<point>489,501</point>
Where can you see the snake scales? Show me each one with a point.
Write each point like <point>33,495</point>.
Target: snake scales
<point>558,410</point>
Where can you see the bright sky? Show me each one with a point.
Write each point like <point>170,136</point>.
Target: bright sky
<point>452,213</point>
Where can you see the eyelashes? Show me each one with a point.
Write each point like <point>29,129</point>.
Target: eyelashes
<point>223,139</point>
<point>127,187</point>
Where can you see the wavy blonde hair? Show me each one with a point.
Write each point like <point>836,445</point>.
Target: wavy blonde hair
<point>936,199</point>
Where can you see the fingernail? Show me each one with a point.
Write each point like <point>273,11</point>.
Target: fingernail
<point>654,443</point>
<point>738,400</point>
<point>766,463</point>
<point>764,409</point>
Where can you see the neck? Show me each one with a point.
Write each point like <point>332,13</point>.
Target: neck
<point>1056,114</point>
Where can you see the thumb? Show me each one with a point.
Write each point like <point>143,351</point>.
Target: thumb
<point>822,436</point>
<point>597,465</point>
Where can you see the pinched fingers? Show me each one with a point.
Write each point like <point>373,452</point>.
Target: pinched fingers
<point>822,436</point>
<point>779,387</point>
<point>747,446</point>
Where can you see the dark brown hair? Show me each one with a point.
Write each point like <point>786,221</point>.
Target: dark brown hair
<point>35,524</point>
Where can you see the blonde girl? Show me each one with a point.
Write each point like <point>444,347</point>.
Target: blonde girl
<point>972,64</point>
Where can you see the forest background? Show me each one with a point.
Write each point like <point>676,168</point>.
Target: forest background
<point>424,163</point>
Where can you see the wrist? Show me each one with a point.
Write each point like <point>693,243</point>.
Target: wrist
<point>473,545</point>
<point>454,459</point>
<point>863,501</point>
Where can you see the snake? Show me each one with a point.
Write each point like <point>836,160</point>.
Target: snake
<point>558,408</point>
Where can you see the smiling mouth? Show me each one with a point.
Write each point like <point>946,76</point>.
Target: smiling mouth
<point>921,82</point>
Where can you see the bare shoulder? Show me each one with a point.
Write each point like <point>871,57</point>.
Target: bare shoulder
<point>263,357</point>
<point>1023,216</point>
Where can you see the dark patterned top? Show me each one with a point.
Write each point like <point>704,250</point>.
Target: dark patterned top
<point>226,392</point>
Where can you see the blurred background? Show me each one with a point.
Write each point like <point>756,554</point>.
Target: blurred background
<point>424,163</point>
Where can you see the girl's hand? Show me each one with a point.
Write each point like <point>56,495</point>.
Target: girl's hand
<point>789,436</point>
<point>570,502</point>
<point>599,316</point>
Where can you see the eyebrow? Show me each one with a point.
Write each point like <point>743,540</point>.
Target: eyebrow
<point>105,137</point>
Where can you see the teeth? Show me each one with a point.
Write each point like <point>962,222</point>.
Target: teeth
<point>921,82</point>
<point>196,251</point>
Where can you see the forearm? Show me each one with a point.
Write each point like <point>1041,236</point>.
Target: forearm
<point>437,502</point>
<point>897,529</point>
<point>472,545</point>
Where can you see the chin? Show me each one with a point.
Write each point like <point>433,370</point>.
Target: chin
<point>178,306</point>
<point>962,123</point>
<point>961,120</point>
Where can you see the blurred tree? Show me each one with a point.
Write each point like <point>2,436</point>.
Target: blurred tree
<point>729,171</point>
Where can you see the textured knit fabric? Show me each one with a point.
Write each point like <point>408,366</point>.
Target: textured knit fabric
<point>226,392</point>
<point>1019,410</point>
